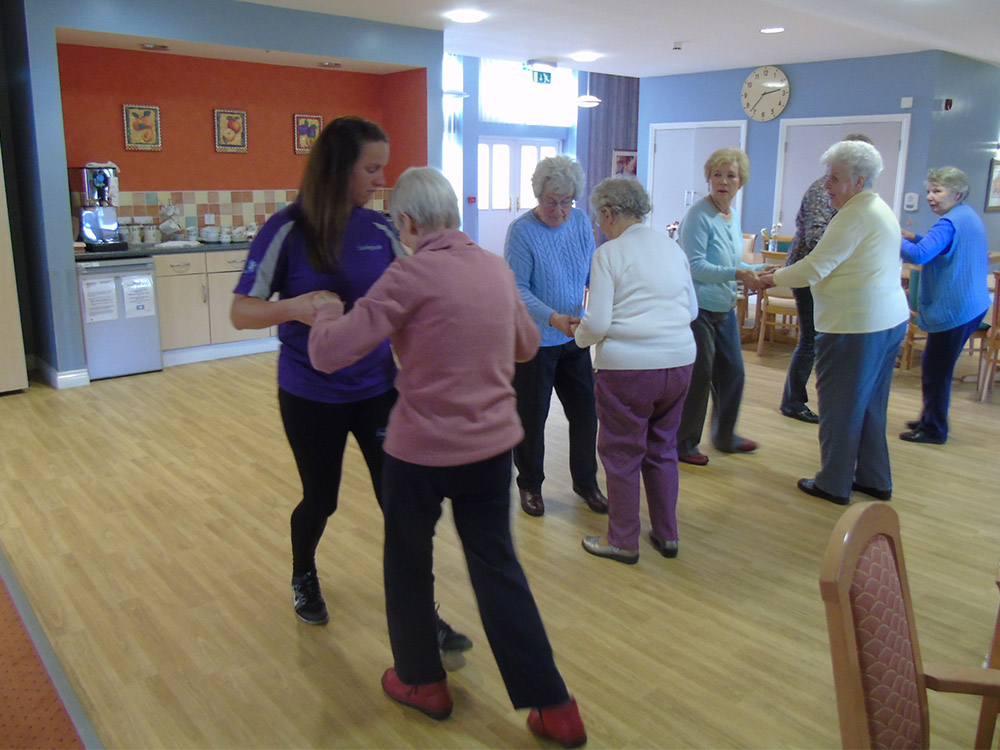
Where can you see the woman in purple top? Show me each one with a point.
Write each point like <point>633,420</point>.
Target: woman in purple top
<point>326,246</point>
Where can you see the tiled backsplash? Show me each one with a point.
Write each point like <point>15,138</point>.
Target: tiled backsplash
<point>232,208</point>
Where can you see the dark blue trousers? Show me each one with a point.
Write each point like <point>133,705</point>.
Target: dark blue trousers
<point>570,371</point>
<point>480,503</point>
<point>794,398</point>
<point>853,375</point>
<point>936,371</point>
<point>718,371</point>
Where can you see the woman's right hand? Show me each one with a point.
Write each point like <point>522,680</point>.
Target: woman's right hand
<point>749,278</point>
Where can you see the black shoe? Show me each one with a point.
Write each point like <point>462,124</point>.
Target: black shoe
<point>449,640</point>
<point>920,436</point>
<point>308,599</point>
<point>532,502</point>
<point>805,414</point>
<point>913,424</point>
<point>809,487</point>
<point>872,491</point>
<point>594,499</point>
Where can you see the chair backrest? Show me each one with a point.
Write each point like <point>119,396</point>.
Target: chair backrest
<point>878,675</point>
<point>783,243</point>
<point>749,247</point>
<point>774,258</point>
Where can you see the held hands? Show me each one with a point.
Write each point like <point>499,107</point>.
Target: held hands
<point>306,305</point>
<point>766,280</point>
<point>749,278</point>
<point>565,323</point>
<point>908,235</point>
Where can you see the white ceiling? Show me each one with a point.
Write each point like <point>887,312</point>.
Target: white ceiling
<point>637,37</point>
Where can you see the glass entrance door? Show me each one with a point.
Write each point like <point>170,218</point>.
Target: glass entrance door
<point>505,169</point>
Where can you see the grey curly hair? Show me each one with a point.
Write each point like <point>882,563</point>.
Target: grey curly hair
<point>560,175</point>
<point>621,195</point>
<point>860,158</point>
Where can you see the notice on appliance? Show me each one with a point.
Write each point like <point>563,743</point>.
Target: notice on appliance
<point>139,300</point>
<point>99,300</point>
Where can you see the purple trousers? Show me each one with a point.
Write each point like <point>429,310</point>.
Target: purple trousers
<point>639,412</point>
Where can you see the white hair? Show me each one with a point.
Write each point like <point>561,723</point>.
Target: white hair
<point>426,196</point>
<point>859,158</point>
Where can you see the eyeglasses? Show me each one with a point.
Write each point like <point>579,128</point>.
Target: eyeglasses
<point>565,203</point>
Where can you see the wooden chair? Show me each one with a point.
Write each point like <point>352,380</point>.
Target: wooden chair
<point>776,309</point>
<point>914,336</point>
<point>742,293</point>
<point>783,242</point>
<point>990,363</point>
<point>881,682</point>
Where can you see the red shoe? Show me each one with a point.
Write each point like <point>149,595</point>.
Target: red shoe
<point>698,459</point>
<point>560,723</point>
<point>745,446</point>
<point>432,699</point>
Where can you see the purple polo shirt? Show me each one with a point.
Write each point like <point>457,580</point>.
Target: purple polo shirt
<point>277,263</point>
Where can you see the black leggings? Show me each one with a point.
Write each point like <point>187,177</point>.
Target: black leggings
<point>317,433</point>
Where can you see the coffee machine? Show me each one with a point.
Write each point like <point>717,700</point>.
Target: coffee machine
<point>98,215</point>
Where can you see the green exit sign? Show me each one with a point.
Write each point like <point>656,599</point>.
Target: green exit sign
<point>541,76</point>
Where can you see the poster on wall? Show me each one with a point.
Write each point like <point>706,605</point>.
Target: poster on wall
<point>307,129</point>
<point>993,187</point>
<point>623,161</point>
<point>231,131</point>
<point>142,127</point>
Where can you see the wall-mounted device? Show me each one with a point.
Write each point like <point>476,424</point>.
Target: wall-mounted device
<point>911,201</point>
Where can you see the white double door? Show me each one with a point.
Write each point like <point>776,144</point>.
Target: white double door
<point>504,192</point>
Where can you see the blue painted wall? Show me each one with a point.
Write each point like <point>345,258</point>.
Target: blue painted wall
<point>29,29</point>
<point>861,86</point>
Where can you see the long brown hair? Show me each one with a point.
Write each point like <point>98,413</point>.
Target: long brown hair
<point>325,193</point>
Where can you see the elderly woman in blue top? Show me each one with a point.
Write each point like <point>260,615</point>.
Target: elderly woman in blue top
<point>952,293</point>
<point>550,249</point>
<point>861,316</point>
<point>712,238</point>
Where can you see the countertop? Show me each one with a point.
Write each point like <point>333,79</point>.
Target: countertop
<point>144,250</point>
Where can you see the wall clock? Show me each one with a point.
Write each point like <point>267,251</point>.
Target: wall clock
<point>764,93</point>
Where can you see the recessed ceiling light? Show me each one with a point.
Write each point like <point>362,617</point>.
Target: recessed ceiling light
<point>329,65</point>
<point>772,30</point>
<point>465,15</point>
<point>585,56</point>
<point>587,101</point>
<point>151,46</point>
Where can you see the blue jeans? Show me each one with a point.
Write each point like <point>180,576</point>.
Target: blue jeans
<point>480,504</point>
<point>853,375</point>
<point>718,371</point>
<point>794,398</point>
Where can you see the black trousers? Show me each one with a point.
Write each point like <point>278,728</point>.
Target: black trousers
<point>317,433</point>
<point>569,370</point>
<point>480,501</point>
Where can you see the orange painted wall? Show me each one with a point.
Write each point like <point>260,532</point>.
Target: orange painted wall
<point>96,82</point>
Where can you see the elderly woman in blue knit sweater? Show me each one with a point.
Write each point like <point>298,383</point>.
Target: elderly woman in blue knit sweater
<point>952,296</point>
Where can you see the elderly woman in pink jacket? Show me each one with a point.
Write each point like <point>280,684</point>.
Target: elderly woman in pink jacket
<point>457,324</point>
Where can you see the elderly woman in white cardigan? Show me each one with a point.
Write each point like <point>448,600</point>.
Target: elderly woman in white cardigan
<point>861,315</point>
<point>642,302</point>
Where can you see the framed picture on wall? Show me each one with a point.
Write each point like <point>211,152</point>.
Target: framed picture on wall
<point>231,131</point>
<point>142,127</point>
<point>307,129</point>
<point>993,187</point>
<point>623,161</point>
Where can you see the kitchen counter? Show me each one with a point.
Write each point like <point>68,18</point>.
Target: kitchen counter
<point>144,250</point>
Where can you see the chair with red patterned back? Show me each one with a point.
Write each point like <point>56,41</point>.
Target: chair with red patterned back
<point>881,682</point>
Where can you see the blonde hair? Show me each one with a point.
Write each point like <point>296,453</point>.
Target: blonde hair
<point>729,156</point>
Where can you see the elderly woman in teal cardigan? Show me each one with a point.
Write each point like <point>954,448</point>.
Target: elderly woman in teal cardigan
<point>952,295</point>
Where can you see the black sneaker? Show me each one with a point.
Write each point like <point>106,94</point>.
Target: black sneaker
<point>308,600</point>
<point>450,641</point>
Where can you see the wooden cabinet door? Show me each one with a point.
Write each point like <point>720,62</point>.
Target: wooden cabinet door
<point>220,299</point>
<point>183,308</point>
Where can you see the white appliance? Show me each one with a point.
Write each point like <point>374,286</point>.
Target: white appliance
<point>121,331</point>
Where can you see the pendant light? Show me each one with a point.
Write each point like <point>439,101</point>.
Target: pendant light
<point>587,100</point>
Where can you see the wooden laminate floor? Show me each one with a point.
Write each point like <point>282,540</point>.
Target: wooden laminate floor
<point>147,521</point>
